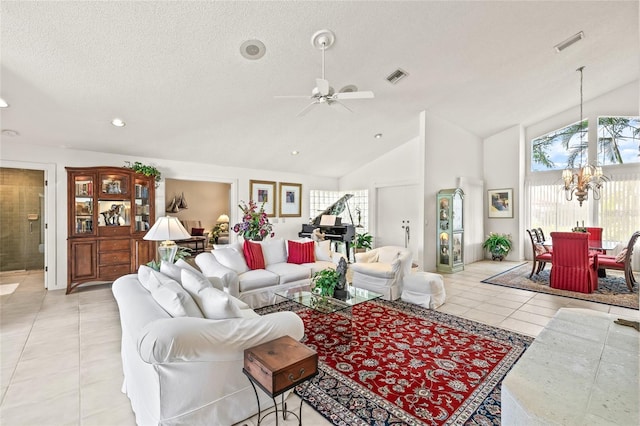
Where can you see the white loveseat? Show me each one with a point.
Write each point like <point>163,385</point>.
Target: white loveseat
<point>257,287</point>
<point>188,370</point>
<point>382,270</point>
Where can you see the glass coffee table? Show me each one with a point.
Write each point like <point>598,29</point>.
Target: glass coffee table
<point>328,305</point>
<point>321,307</point>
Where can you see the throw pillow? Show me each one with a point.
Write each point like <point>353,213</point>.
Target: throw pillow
<point>301,252</point>
<point>323,250</point>
<point>253,255</point>
<point>232,259</point>
<point>215,281</point>
<point>171,270</point>
<point>620,257</point>
<point>540,249</point>
<point>144,276</point>
<point>172,297</point>
<point>213,303</point>
<point>197,232</point>
<point>274,251</point>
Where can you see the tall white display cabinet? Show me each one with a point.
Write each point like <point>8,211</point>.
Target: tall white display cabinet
<point>450,254</point>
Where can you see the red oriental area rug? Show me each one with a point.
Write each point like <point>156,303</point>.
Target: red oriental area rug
<point>393,363</point>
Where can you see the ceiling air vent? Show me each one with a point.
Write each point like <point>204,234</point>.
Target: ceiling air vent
<point>396,76</point>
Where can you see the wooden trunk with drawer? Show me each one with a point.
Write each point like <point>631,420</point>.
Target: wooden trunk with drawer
<point>280,364</point>
<point>110,209</point>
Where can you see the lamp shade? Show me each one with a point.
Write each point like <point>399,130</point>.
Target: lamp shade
<point>223,218</point>
<point>167,228</point>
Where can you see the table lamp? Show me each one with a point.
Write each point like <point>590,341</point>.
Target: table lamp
<point>223,220</point>
<point>167,229</point>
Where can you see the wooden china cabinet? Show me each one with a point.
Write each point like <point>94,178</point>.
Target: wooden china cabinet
<point>109,211</point>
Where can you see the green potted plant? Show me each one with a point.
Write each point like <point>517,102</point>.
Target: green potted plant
<point>182,253</point>
<point>143,169</point>
<point>499,245</point>
<point>363,242</point>
<point>324,282</point>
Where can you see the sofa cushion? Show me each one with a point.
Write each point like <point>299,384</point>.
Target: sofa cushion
<point>232,259</point>
<point>144,276</point>
<point>388,254</point>
<point>171,270</point>
<point>323,250</point>
<point>378,269</point>
<point>258,278</point>
<point>213,303</point>
<point>289,272</point>
<point>301,252</point>
<point>274,251</point>
<point>253,255</point>
<point>172,297</point>
<point>319,265</point>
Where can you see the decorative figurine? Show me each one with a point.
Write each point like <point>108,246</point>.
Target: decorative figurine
<point>340,292</point>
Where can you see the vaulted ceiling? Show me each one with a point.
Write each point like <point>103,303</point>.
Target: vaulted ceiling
<point>173,71</point>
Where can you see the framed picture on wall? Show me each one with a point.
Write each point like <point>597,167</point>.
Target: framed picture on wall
<point>290,199</point>
<point>263,192</point>
<point>500,203</point>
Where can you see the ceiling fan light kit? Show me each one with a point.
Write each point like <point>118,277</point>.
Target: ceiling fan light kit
<point>323,93</point>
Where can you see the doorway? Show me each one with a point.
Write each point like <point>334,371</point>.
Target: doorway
<point>22,246</point>
<point>398,218</point>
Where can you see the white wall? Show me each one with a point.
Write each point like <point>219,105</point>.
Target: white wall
<point>449,153</point>
<point>503,169</point>
<point>60,158</point>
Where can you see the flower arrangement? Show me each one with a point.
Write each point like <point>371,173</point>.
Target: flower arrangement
<point>255,224</point>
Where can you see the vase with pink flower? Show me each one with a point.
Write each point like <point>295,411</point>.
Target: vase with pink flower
<point>255,224</point>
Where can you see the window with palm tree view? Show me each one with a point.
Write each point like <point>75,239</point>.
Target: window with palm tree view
<point>617,148</point>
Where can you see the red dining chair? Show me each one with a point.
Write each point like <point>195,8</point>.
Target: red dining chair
<point>574,268</point>
<point>595,237</point>
<point>541,256</point>
<point>622,261</point>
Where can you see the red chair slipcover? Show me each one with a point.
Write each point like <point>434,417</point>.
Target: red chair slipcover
<point>573,268</point>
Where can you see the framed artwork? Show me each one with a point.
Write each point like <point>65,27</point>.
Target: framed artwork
<point>500,203</point>
<point>264,193</point>
<point>290,199</point>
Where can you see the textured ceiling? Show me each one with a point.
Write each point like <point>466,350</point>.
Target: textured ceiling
<point>173,71</point>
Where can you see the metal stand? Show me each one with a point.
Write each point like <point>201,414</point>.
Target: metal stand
<point>275,406</point>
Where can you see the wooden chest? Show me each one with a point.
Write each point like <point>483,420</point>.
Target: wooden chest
<point>280,364</point>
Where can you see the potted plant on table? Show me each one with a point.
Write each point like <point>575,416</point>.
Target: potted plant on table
<point>324,282</point>
<point>499,245</point>
<point>363,242</point>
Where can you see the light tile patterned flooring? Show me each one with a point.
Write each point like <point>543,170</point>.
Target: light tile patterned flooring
<point>60,354</point>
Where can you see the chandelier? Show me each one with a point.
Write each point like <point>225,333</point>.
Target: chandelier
<point>586,177</point>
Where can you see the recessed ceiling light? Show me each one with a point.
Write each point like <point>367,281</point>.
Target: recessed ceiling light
<point>295,152</point>
<point>3,103</point>
<point>253,49</point>
<point>118,122</point>
<point>377,135</point>
<point>568,42</point>
<point>10,133</point>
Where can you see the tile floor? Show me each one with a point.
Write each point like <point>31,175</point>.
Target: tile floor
<point>60,354</point>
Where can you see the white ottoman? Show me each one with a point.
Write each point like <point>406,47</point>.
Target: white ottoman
<point>424,289</point>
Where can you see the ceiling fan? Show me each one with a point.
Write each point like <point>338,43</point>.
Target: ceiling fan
<point>323,93</point>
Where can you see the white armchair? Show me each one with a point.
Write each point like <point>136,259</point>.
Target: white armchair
<point>381,270</point>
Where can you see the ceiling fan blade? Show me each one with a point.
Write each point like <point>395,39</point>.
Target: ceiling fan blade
<point>354,95</point>
<point>337,102</point>
<point>323,86</point>
<point>292,97</point>
<point>306,109</point>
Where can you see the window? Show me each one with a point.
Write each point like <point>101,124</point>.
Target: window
<point>618,140</point>
<point>320,200</point>
<point>563,148</point>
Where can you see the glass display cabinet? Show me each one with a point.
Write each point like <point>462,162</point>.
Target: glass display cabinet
<point>450,244</point>
<point>109,211</point>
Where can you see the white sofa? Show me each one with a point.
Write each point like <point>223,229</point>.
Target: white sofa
<point>257,287</point>
<point>188,370</point>
<point>382,270</point>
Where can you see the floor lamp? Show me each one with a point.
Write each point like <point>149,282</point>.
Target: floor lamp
<point>167,229</point>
